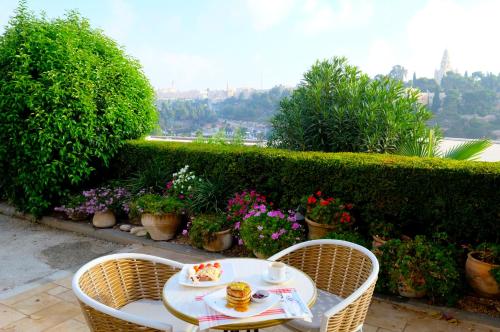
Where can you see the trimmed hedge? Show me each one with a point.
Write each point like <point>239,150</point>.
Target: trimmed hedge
<point>419,195</point>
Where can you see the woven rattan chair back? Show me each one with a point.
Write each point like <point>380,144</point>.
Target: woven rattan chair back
<point>118,282</point>
<point>340,268</point>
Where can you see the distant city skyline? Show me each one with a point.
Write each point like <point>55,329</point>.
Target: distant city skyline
<point>259,43</point>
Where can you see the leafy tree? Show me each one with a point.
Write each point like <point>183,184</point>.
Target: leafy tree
<point>69,97</point>
<point>436,101</point>
<point>451,102</point>
<point>338,108</point>
<point>398,73</point>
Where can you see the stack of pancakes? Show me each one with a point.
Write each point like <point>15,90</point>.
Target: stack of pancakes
<point>238,296</point>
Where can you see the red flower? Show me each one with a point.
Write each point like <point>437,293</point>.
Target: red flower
<point>311,200</point>
<point>349,206</point>
<point>345,218</point>
<point>330,199</point>
<point>323,202</point>
<point>318,193</point>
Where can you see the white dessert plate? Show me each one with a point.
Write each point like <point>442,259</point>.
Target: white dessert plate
<point>267,277</point>
<point>217,301</point>
<point>226,277</point>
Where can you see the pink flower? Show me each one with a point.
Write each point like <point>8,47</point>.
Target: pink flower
<point>240,242</point>
<point>185,232</point>
<point>295,226</point>
<point>275,236</point>
<point>237,225</point>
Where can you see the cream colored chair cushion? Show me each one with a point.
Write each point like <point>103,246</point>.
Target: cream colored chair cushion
<point>155,310</point>
<point>324,302</point>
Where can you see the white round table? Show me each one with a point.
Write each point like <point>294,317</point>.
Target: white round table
<point>181,300</point>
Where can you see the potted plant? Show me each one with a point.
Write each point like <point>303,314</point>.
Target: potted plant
<point>103,203</point>
<point>266,232</point>
<point>482,269</point>
<point>74,208</point>
<point>211,232</point>
<point>238,207</point>
<point>381,232</point>
<point>160,215</point>
<point>420,267</point>
<point>325,215</point>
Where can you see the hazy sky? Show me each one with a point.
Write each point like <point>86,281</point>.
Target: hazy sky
<point>206,43</point>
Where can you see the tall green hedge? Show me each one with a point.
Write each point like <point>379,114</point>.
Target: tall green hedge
<point>420,195</point>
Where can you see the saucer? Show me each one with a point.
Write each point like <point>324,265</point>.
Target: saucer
<point>267,278</point>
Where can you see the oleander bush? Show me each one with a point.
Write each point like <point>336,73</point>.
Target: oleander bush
<point>417,195</point>
<point>69,97</point>
<point>337,108</point>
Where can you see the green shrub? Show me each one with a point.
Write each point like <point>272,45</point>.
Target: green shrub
<point>425,264</point>
<point>417,195</point>
<point>338,108</point>
<point>69,97</point>
<point>350,236</point>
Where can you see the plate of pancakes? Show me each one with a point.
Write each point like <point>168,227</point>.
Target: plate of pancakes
<point>235,301</point>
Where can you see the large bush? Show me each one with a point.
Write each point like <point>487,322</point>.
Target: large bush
<point>417,195</point>
<point>69,97</point>
<point>338,108</point>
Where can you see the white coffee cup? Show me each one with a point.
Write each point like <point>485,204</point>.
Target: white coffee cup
<point>276,271</point>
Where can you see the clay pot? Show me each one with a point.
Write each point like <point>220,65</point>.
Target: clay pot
<point>318,231</point>
<point>161,227</point>
<point>104,219</point>
<point>377,241</point>
<point>479,276</point>
<point>404,289</point>
<point>219,241</point>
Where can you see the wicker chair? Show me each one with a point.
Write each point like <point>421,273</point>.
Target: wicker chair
<point>123,292</point>
<point>345,275</point>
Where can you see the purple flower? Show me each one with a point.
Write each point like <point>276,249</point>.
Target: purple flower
<point>185,232</point>
<point>275,236</point>
<point>240,242</point>
<point>295,226</point>
<point>237,225</point>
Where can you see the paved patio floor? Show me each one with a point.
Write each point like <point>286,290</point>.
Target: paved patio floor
<point>52,307</point>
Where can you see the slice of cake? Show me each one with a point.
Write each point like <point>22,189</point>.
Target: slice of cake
<point>238,296</point>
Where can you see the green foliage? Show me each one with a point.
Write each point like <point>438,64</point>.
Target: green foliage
<point>350,236</point>
<point>416,195</point>
<point>328,210</point>
<point>208,196</point>
<point>69,97</point>
<point>204,226</point>
<point>424,265</point>
<point>429,147</point>
<point>338,108</point>
<point>158,204</point>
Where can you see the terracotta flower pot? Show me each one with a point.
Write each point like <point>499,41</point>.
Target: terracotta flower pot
<point>318,231</point>
<point>479,276</point>
<point>104,219</point>
<point>161,227</point>
<point>404,289</point>
<point>220,241</point>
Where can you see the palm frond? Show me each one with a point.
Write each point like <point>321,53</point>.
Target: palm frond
<point>468,150</point>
